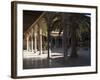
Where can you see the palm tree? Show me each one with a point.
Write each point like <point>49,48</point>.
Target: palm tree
<point>72,25</point>
<point>65,36</point>
<point>73,32</point>
<point>80,24</point>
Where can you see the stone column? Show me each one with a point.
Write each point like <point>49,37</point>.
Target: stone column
<point>27,43</point>
<point>40,30</point>
<point>55,42</point>
<point>32,44</point>
<point>35,41</point>
<point>32,40</point>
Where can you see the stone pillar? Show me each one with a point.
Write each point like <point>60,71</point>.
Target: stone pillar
<point>27,43</point>
<point>32,40</point>
<point>35,41</point>
<point>40,30</point>
<point>55,42</point>
<point>32,44</point>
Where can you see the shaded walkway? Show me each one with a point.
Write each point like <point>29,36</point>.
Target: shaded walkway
<point>58,61</point>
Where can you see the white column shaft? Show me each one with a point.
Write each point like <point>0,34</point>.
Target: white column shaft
<point>32,40</point>
<point>27,44</point>
<point>40,41</point>
<point>32,44</point>
<point>35,41</point>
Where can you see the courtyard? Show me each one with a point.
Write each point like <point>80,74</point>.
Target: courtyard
<point>33,61</point>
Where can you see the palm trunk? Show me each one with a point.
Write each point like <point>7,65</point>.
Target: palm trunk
<point>64,43</point>
<point>73,41</point>
<point>66,25</point>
